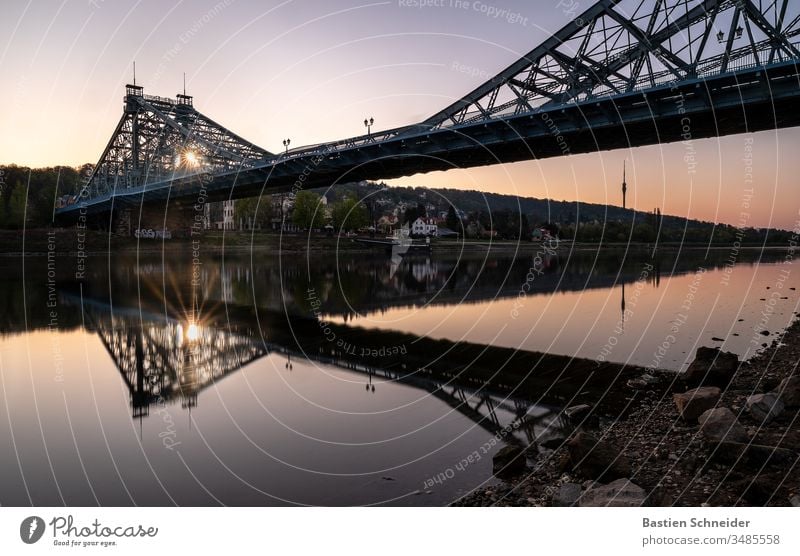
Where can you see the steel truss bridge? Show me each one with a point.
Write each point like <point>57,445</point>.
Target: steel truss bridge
<point>622,74</point>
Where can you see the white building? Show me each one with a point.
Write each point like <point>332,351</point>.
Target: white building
<point>220,215</point>
<point>424,227</point>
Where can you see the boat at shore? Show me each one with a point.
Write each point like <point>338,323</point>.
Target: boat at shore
<point>402,245</point>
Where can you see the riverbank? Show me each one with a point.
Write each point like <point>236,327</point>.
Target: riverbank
<point>651,455</point>
<point>70,241</point>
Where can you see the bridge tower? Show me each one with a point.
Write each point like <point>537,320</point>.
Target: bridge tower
<point>161,140</point>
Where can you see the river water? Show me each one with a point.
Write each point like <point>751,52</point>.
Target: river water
<point>157,380</point>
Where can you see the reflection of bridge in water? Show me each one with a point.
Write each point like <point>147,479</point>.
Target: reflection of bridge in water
<point>165,360</point>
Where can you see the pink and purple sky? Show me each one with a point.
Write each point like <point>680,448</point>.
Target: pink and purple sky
<point>312,70</point>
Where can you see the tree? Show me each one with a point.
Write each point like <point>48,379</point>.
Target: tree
<point>253,212</point>
<point>308,212</point>
<point>453,221</point>
<point>644,232</point>
<point>410,215</point>
<point>16,213</point>
<point>349,214</point>
<point>551,227</point>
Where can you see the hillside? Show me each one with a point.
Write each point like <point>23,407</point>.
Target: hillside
<point>593,221</point>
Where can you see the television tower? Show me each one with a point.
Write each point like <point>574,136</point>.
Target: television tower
<point>624,184</point>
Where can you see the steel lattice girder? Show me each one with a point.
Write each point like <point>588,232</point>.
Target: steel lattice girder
<point>604,52</point>
<point>153,139</point>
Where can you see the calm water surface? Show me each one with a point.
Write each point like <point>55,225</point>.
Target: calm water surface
<point>153,380</point>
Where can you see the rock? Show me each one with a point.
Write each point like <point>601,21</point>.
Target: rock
<point>577,412</point>
<point>789,391</point>
<point>645,381</point>
<point>567,495</point>
<point>711,366</point>
<point>720,424</point>
<point>795,501</point>
<point>552,441</point>
<point>620,493</point>
<point>752,456</point>
<point>764,407</point>
<point>760,489</point>
<point>581,415</point>
<point>693,403</point>
<point>509,460</point>
<point>596,459</point>
<point>637,384</point>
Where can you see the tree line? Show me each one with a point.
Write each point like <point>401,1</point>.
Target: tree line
<point>28,195</point>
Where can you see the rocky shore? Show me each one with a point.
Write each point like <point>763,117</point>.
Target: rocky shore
<point>722,433</point>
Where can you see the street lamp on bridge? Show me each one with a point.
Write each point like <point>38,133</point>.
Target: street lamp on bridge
<point>368,124</point>
<point>286,143</point>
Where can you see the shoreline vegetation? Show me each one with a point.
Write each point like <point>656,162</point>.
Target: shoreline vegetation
<point>722,433</point>
<point>30,196</point>
<point>70,241</point>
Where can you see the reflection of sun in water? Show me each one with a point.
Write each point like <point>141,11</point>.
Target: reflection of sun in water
<point>192,332</point>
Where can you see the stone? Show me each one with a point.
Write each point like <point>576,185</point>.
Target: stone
<point>567,495</point>
<point>789,391</point>
<point>750,456</point>
<point>645,381</point>
<point>720,424</point>
<point>711,366</point>
<point>760,489</point>
<point>795,501</point>
<point>649,379</point>
<point>621,493</point>
<point>637,384</point>
<point>509,460</point>
<point>693,403</point>
<point>596,459</point>
<point>552,440</point>
<point>579,414</point>
<point>764,407</point>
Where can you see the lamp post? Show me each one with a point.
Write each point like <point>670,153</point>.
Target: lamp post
<point>368,124</point>
<point>286,143</point>
<point>737,34</point>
